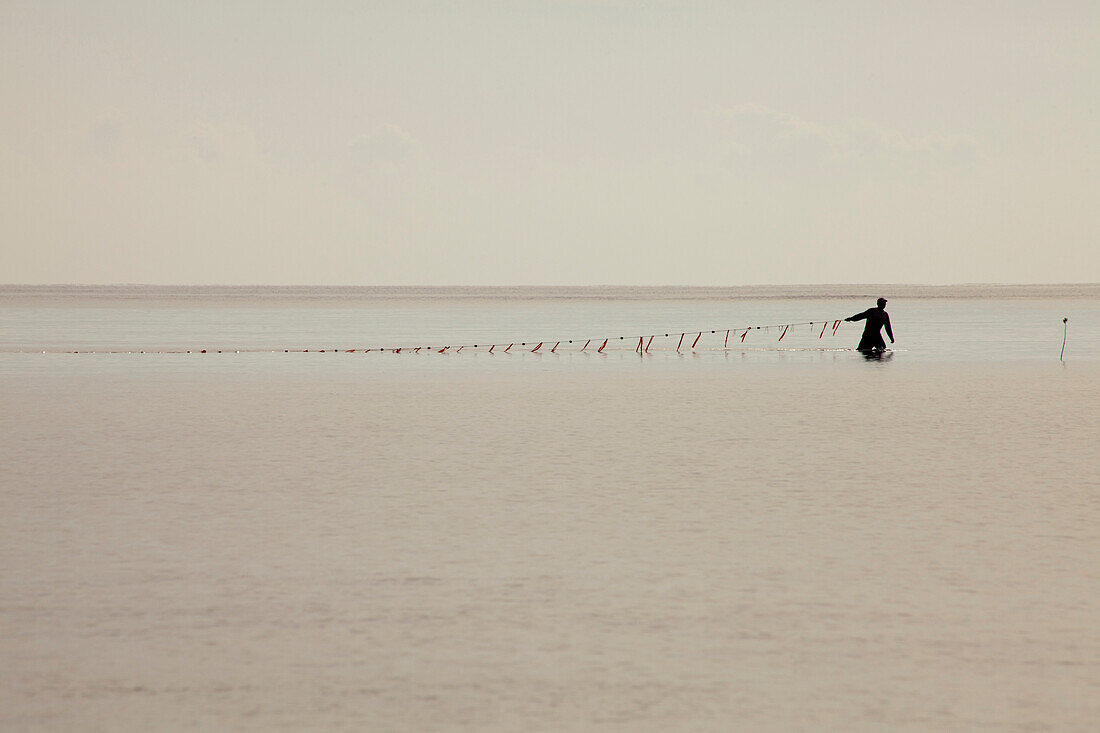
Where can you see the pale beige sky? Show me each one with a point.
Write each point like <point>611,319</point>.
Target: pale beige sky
<point>557,142</point>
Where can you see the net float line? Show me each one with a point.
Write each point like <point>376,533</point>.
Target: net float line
<point>644,343</point>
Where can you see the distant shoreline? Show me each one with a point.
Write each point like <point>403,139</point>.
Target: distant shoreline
<point>12,292</point>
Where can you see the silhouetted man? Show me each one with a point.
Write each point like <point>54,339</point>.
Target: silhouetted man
<point>876,318</point>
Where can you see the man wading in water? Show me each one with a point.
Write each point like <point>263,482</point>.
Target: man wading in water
<point>876,318</point>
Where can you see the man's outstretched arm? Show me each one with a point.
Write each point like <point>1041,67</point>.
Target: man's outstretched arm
<point>889,331</point>
<point>857,316</point>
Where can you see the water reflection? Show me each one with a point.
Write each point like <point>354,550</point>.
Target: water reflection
<point>877,354</point>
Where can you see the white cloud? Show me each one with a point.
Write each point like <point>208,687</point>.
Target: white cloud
<point>106,135</point>
<point>749,136</point>
<point>386,145</point>
<point>222,142</point>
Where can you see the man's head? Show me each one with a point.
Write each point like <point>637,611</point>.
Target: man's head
<point>882,302</point>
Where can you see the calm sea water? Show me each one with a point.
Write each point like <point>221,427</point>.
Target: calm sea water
<point>780,535</point>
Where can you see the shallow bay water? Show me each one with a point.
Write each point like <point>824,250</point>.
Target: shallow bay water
<point>753,538</point>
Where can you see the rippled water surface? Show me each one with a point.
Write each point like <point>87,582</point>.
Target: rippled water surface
<point>774,536</point>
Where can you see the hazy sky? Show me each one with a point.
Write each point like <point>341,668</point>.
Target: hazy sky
<point>556,142</point>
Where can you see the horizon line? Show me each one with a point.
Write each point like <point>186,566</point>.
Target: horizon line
<point>558,285</point>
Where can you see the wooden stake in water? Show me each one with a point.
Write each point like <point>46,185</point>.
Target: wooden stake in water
<point>1065,330</point>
